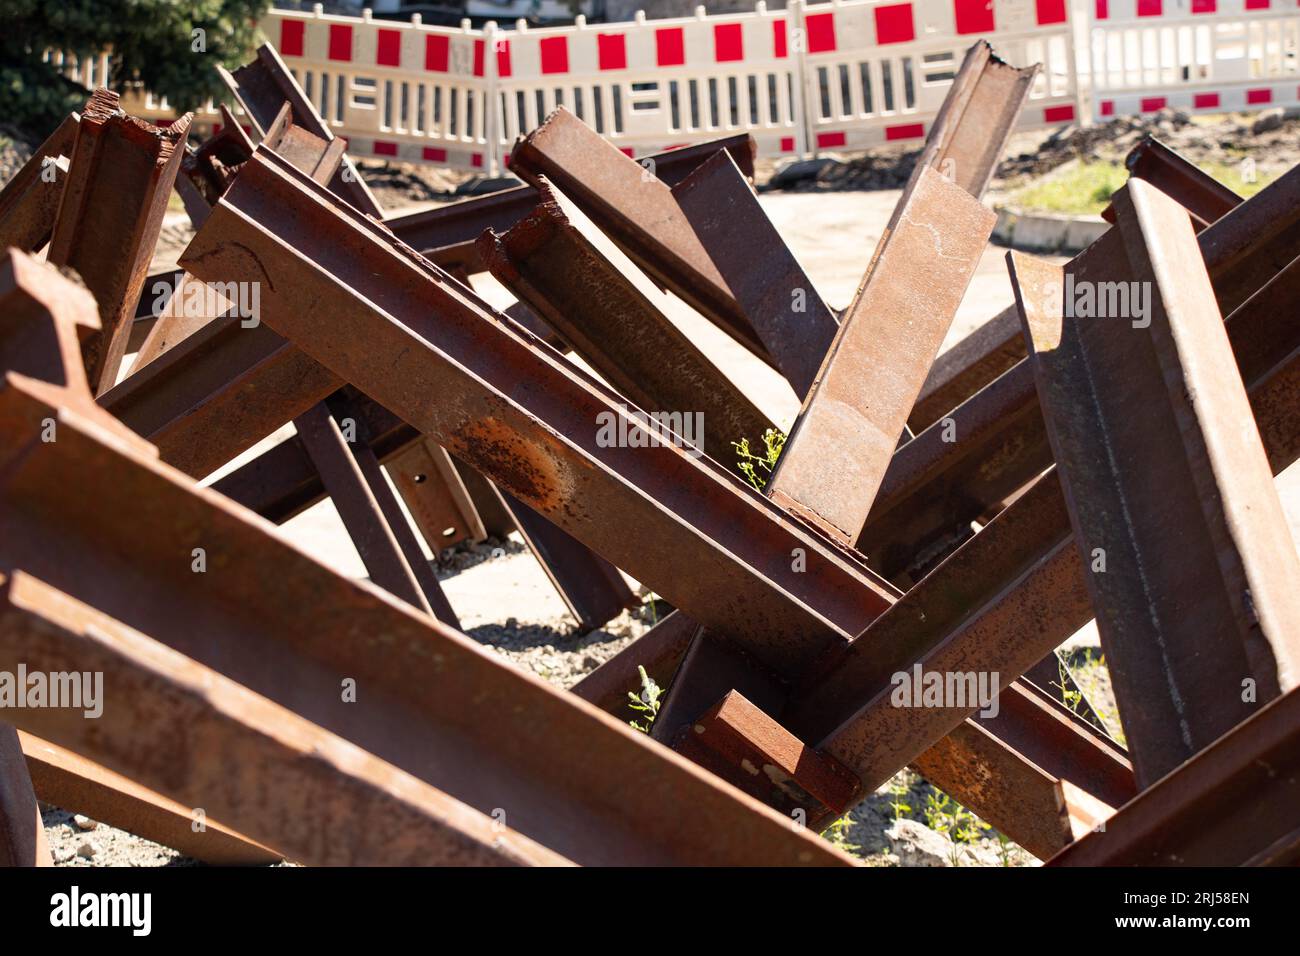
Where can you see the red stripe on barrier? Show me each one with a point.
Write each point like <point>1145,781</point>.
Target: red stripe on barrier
<point>728,43</point>
<point>787,144</point>
<point>340,42</point>
<point>779,50</point>
<point>291,32</point>
<point>435,154</point>
<point>1107,107</point>
<point>1150,104</point>
<point>1058,114</point>
<point>385,149</point>
<point>1204,6</point>
<point>627,152</point>
<point>973,16</point>
<point>670,46</point>
<point>1259,96</point>
<point>437,53</point>
<point>476,160</point>
<point>1103,9</point>
<point>825,140</point>
<point>1050,11</point>
<point>388,48</point>
<point>478,57</point>
<point>821,32</point>
<point>611,51</point>
<point>909,131</point>
<point>894,23</point>
<point>555,55</point>
<point>1205,101</point>
<point>1257,4</point>
<point>1150,8</point>
<point>503,58</point>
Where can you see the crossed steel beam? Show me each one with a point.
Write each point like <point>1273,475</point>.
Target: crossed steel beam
<point>248,658</point>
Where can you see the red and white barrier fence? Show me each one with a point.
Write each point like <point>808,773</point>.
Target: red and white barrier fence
<point>848,74</point>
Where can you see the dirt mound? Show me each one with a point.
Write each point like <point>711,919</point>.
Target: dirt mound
<point>1271,139</point>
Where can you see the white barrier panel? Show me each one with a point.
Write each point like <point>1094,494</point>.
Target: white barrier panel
<point>392,89</point>
<point>1210,55</point>
<point>849,74</point>
<point>653,85</point>
<point>839,75</point>
<point>878,70</point>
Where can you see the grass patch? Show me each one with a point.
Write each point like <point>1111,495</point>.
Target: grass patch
<point>1084,188</point>
<point>1240,178</point>
<point>1075,189</point>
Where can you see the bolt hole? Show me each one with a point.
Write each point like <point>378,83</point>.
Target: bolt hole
<point>419,479</point>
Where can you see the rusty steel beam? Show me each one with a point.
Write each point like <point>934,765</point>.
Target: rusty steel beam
<point>27,219</point>
<point>121,173</point>
<point>970,365</point>
<point>1006,777</point>
<point>209,167</point>
<point>1052,678</point>
<point>636,210</point>
<point>1044,731</point>
<point>43,320</point>
<point>497,520</point>
<point>659,651</point>
<point>390,284</point>
<point>158,289</point>
<point>711,668</point>
<point>1042,813</point>
<point>435,495</point>
<point>283,780</point>
<point>73,783</point>
<point>983,609</point>
<point>317,157</point>
<point>177,320</point>
<point>796,327</point>
<point>29,202</point>
<point>293,632</point>
<point>568,273</point>
<point>965,144</point>
<point>590,587</point>
<point>196,204</point>
<point>22,833</point>
<point>538,440</point>
<point>849,426</point>
<point>369,510</point>
<point>967,139</point>
<point>951,474</point>
<point>1204,197</point>
<point>263,87</point>
<point>448,234</point>
<point>1233,804</point>
<point>778,768</point>
<point>1018,587</point>
<point>282,482</point>
<point>994,442</point>
<point>1178,503</point>
<point>273,620</point>
<point>218,393</point>
<point>1242,251</point>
